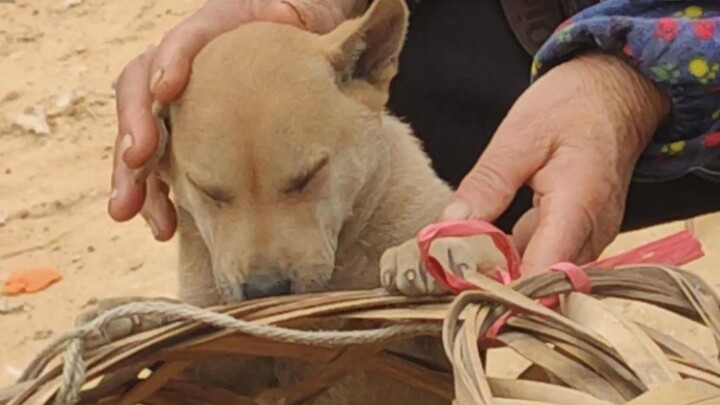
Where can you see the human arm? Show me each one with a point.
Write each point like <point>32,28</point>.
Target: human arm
<point>673,45</point>
<point>673,112</point>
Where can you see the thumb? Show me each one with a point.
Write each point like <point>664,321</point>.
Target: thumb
<point>490,187</point>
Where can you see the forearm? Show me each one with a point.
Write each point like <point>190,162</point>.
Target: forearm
<point>323,15</point>
<point>670,44</point>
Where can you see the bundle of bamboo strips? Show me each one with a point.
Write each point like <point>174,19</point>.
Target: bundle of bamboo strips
<point>587,351</point>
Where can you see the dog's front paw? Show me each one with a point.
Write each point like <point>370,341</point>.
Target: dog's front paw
<point>122,327</point>
<point>402,268</point>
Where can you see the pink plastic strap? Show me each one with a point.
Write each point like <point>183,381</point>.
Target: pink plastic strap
<point>551,301</point>
<point>494,330</point>
<point>576,276</point>
<point>451,281</point>
<point>676,250</point>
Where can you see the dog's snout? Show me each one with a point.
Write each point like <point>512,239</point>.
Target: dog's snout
<point>262,286</point>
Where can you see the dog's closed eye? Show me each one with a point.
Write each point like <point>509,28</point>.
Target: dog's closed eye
<point>298,183</point>
<point>215,193</point>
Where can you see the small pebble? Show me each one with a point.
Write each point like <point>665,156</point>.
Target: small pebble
<point>72,3</point>
<point>42,334</point>
<point>33,121</point>
<point>65,100</point>
<point>11,96</point>
<point>7,309</point>
<point>135,266</point>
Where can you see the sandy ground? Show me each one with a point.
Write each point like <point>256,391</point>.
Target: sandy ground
<point>61,57</point>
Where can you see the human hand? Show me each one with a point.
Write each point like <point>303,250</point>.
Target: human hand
<point>574,137</point>
<point>161,74</point>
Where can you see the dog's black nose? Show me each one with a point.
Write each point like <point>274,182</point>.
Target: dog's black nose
<point>266,286</point>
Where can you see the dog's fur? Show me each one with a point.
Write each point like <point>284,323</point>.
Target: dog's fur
<point>284,164</point>
<point>286,169</point>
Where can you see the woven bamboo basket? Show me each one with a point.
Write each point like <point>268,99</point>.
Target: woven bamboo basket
<point>587,350</point>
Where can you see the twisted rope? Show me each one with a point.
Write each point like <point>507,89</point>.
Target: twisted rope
<point>73,376</point>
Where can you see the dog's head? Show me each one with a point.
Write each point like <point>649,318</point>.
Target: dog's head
<point>273,141</point>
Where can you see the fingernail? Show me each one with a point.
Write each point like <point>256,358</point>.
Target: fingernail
<point>456,211</point>
<point>126,143</point>
<point>114,194</point>
<point>156,79</point>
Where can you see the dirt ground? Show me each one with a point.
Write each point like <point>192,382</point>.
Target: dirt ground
<point>59,58</point>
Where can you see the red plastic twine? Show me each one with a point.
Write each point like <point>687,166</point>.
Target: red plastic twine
<point>452,281</point>
<point>674,250</point>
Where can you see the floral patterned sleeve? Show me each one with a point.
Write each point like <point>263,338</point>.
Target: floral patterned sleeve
<point>676,44</point>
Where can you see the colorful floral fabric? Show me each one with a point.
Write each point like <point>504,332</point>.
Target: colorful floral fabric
<point>674,43</point>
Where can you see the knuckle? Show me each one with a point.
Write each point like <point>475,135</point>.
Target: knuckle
<point>176,40</point>
<point>602,213</point>
<point>137,63</point>
<point>174,34</point>
<point>490,183</point>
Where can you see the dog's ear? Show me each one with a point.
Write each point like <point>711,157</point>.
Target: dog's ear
<point>161,114</point>
<point>366,49</point>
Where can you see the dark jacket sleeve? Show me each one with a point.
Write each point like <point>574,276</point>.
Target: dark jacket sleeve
<point>676,44</point>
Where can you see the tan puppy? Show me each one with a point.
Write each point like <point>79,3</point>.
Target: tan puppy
<point>289,176</point>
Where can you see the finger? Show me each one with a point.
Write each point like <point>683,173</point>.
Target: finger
<point>283,13</point>
<point>589,252</point>
<point>525,227</point>
<point>172,65</point>
<point>136,125</point>
<point>512,156</point>
<point>173,61</point>
<point>581,206</point>
<point>564,228</point>
<point>158,210</point>
<point>126,197</point>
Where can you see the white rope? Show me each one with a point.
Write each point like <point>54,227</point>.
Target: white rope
<point>73,376</point>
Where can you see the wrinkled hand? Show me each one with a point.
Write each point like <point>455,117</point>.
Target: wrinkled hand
<point>574,137</point>
<point>161,74</point>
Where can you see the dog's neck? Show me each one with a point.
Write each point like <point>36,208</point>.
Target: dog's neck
<point>402,196</point>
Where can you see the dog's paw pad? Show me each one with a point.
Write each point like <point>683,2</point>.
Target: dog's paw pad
<point>402,269</point>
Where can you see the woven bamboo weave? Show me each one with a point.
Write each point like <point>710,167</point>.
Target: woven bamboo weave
<point>590,352</point>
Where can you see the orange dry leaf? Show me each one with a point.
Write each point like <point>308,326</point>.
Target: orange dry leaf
<point>30,280</point>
